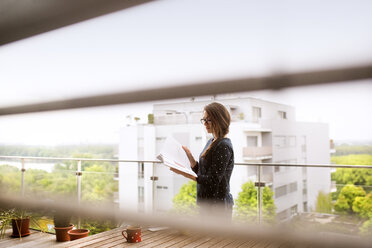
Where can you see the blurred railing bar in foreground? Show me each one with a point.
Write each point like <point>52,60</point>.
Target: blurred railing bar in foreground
<point>276,81</point>
<point>24,19</point>
<point>208,225</point>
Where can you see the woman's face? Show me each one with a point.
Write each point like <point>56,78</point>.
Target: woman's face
<point>207,123</point>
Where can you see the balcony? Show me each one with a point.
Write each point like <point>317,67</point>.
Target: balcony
<point>287,206</point>
<point>257,153</point>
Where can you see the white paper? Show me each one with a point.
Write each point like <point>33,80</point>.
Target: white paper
<point>173,155</point>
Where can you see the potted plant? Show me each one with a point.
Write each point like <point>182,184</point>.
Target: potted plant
<point>20,223</point>
<point>5,220</point>
<point>78,233</point>
<point>62,224</point>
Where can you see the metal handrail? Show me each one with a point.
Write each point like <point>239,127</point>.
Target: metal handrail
<point>159,162</point>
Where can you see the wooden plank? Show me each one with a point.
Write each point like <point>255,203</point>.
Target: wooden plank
<point>121,242</point>
<point>96,238</point>
<point>198,242</point>
<point>179,238</point>
<point>261,244</point>
<point>273,245</point>
<point>40,240</point>
<point>168,238</point>
<point>186,241</point>
<point>249,243</point>
<point>9,241</point>
<point>40,243</point>
<point>224,242</point>
<point>76,242</point>
<point>236,243</point>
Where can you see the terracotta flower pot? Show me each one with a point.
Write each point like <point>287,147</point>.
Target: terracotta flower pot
<point>61,233</point>
<point>20,227</point>
<point>78,233</point>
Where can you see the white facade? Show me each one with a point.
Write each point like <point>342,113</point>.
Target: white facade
<point>260,131</point>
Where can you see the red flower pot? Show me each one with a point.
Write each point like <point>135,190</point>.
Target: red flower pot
<point>78,233</point>
<point>61,233</point>
<point>20,227</point>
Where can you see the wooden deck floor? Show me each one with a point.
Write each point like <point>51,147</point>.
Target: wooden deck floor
<point>113,238</point>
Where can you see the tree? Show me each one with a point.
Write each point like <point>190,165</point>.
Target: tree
<point>363,206</point>
<point>185,201</point>
<point>323,203</point>
<point>246,204</point>
<point>344,203</point>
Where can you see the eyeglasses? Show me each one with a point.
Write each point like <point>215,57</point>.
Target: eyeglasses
<point>203,121</point>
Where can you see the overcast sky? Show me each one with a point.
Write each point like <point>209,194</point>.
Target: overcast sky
<point>173,42</point>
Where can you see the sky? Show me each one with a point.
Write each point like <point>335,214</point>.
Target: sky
<point>186,41</point>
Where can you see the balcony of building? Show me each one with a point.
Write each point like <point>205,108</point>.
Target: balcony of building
<point>257,153</point>
<point>293,205</point>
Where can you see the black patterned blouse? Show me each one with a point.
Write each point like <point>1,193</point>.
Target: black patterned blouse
<point>214,172</point>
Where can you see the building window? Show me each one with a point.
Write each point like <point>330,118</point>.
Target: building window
<point>293,187</point>
<point>280,191</point>
<point>294,210</point>
<point>279,141</point>
<point>305,206</point>
<point>282,215</point>
<point>292,140</point>
<point>282,114</point>
<point>252,141</point>
<point>256,114</point>
<point>304,187</point>
<point>162,187</point>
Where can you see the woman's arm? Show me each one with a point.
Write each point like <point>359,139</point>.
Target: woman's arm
<point>190,157</point>
<point>183,174</point>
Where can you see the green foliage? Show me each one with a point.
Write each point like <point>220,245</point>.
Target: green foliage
<point>350,149</point>
<point>363,206</point>
<point>346,198</point>
<point>355,176</point>
<point>185,201</point>
<point>150,118</point>
<point>95,226</point>
<point>366,228</point>
<point>323,203</point>
<point>99,151</point>
<point>353,159</point>
<point>6,217</point>
<point>98,184</point>
<point>246,204</point>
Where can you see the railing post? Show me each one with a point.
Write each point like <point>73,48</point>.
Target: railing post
<point>259,184</point>
<point>23,170</point>
<point>78,176</point>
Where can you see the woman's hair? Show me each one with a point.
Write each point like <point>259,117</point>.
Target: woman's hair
<point>220,122</point>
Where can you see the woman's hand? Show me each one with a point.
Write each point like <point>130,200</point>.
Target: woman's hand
<point>183,174</point>
<point>189,156</point>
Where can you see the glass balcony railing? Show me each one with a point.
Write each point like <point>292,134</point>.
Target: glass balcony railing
<point>296,196</point>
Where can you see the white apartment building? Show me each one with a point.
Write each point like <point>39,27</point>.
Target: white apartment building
<point>261,131</point>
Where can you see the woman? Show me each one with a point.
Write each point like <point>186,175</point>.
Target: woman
<point>215,164</point>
